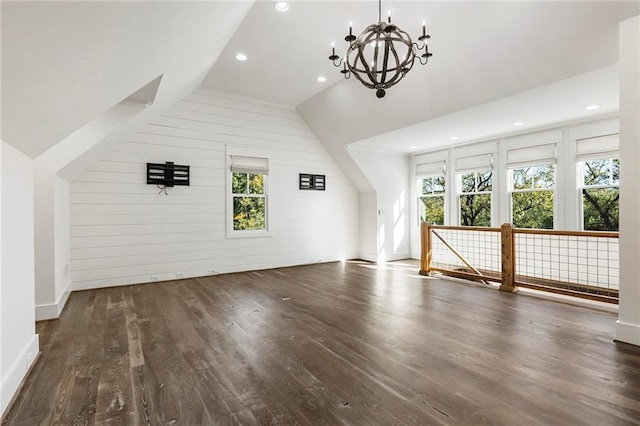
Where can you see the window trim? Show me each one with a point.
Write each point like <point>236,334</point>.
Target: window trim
<point>433,194</point>
<point>554,189</point>
<point>581,185</point>
<point>257,233</point>
<point>460,193</point>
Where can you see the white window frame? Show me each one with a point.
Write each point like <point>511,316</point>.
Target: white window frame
<point>246,152</point>
<point>581,184</point>
<point>459,193</point>
<point>433,194</point>
<point>511,190</point>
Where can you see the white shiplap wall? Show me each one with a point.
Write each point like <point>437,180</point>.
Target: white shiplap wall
<point>123,231</point>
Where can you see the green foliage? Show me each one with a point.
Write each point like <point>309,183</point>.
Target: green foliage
<point>475,210</point>
<point>601,209</point>
<point>249,211</point>
<point>256,184</point>
<point>475,200</point>
<point>239,183</point>
<point>533,206</point>
<point>432,210</point>
<point>601,206</point>
<point>533,209</point>
<point>433,185</point>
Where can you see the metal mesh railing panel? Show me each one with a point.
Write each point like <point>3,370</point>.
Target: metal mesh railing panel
<point>480,248</point>
<point>588,264</point>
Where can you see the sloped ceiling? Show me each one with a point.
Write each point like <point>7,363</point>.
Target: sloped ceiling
<point>488,57</point>
<point>483,52</point>
<point>66,63</point>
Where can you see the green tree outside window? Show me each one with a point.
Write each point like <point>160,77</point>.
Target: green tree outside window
<point>431,199</point>
<point>475,198</point>
<point>249,202</point>
<point>532,197</point>
<point>601,195</point>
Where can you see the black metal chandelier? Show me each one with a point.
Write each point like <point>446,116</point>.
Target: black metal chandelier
<point>382,54</point>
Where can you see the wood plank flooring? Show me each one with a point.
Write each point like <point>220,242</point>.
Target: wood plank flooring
<point>327,344</point>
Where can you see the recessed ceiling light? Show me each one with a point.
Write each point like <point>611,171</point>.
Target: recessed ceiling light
<point>454,138</point>
<point>281,6</point>
<point>322,79</point>
<point>413,147</point>
<point>519,123</point>
<point>592,107</point>
<point>241,57</point>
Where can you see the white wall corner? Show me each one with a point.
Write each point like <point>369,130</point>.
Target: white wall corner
<point>49,311</point>
<point>627,333</point>
<point>628,325</point>
<point>369,257</point>
<point>16,374</point>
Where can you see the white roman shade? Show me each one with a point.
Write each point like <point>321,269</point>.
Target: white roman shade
<point>474,163</point>
<point>430,169</point>
<point>600,147</point>
<point>254,165</point>
<point>531,156</point>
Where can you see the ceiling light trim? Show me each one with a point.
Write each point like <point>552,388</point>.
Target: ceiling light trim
<point>281,6</point>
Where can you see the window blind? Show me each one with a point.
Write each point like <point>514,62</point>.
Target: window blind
<point>430,169</point>
<point>600,147</point>
<point>531,156</point>
<point>254,165</point>
<point>474,163</point>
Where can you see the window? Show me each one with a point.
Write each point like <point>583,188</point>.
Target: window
<point>249,202</point>
<point>474,198</point>
<point>431,199</point>
<point>600,195</point>
<point>532,196</point>
<point>248,195</point>
<point>599,180</point>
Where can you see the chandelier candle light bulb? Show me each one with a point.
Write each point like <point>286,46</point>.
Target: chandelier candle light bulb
<point>382,54</point>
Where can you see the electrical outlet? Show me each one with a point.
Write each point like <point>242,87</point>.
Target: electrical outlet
<point>154,278</point>
<point>179,274</point>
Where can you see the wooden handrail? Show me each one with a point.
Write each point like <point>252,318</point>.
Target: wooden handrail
<point>465,228</point>
<point>507,276</point>
<point>601,234</point>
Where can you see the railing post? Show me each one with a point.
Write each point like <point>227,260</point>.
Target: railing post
<point>425,251</point>
<point>508,259</point>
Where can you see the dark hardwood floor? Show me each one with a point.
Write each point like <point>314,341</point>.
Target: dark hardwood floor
<point>336,343</point>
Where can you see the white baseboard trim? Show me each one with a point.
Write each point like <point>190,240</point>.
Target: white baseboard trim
<point>53,310</point>
<point>368,257</point>
<point>627,333</point>
<point>14,378</point>
<point>372,257</point>
<point>399,256</point>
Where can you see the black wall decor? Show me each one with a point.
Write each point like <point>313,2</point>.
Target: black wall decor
<point>312,182</point>
<point>167,174</point>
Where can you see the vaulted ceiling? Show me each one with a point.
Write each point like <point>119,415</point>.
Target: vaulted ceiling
<point>66,63</point>
<point>483,52</point>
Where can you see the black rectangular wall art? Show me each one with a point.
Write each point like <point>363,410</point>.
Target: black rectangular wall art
<point>311,182</point>
<point>167,174</point>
